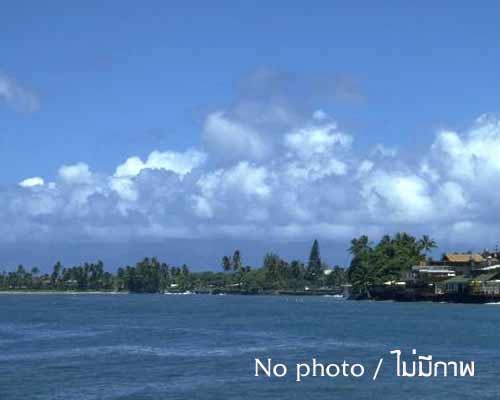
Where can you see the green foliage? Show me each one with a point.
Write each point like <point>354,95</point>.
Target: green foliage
<point>314,266</point>
<point>336,278</point>
<point>386,261</point>
<point>152,276</point>
<point>90,276</point>
<point>226,264</point>
<point>237,264</point>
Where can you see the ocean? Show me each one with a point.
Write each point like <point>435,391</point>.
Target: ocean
<point>105,346</point>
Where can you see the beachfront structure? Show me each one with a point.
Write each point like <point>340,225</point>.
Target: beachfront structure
<point>486,284</point>
<point>463,263</point>
<point>459,285</point>
<point>432,273</point>
<point>456,274</point>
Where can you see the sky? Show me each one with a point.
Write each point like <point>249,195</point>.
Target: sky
<point>188,129</point>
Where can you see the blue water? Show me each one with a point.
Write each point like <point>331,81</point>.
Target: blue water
<point>203,347</point>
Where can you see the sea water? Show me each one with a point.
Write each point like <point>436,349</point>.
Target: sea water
<point>204,347</point>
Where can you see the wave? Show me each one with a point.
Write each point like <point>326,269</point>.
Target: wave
<point>27,333</point>
<point>186,352</point>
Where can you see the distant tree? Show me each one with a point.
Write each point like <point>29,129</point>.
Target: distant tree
<point>237,264</point>
<point>361,272</point>
<point>314,266</point>
<point>226,264</point>
<point>120,279</point>
<point>275,269</point>
<point>297,273</point>
<point>56,271</point>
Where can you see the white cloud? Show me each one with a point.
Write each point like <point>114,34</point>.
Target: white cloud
<point>35,181</point>
<point>473,157</point>
<point>313,183</point>
<point>202,207</point>
<point>452,199</point>
<point>319,115</point>
<point>364,167</point>
<point>75,174</point>
<point>397,197</point>
<point>316,139</point>
<point>131,167</point>
<point>244,178</point>
<point>428,171</point>
<point>125,188</point>
<point>180,163</point>
<point>315,169</point>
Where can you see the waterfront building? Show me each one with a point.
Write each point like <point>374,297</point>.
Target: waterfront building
<point>459,285</point>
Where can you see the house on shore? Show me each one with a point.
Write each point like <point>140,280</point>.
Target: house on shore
<point>463,263</point>
<point>459,285</point>
<point>486,284</point>
<point>431,273</point>
<point>470,277</point>
<point>456,274</point>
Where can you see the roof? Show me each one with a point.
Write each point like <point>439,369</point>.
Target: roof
<point>462,258</point>
<point>458,279</point>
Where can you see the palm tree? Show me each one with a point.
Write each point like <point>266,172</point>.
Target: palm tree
<point>226,264</point>
<point>237,261</point>
<point>427,244</point>
<point>359,245</point>
<point>363,275</point>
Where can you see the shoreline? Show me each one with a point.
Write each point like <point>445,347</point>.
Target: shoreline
<point>486,301</point>
<point>48,292</point>
<point>195,292</point>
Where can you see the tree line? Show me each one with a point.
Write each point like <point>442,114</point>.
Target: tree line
<point>371,264</point>
<point>152,276</point>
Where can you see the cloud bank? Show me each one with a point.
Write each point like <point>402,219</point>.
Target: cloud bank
<point>304,181</point>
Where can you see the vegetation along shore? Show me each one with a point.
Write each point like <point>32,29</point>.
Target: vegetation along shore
<point>395,268</point>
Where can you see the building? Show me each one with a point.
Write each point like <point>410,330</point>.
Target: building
<point>459,285</point>
<point>432,273</point>
<point>486,284</point>
<point>463,263</point>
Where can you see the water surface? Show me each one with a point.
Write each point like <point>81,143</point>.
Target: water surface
<point>203,347</point>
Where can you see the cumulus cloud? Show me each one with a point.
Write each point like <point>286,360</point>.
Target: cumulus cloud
<point>316,139</point>
<point>313,182</point>
<point>16,95</point>
<point>75,174</point>
<point>30,182</point>
<point>232,140</point>
<point>470,158</point>
<point>397,196</point>
<point>180,163</point>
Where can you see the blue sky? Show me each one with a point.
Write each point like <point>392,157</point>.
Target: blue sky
<point>89,86</point>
